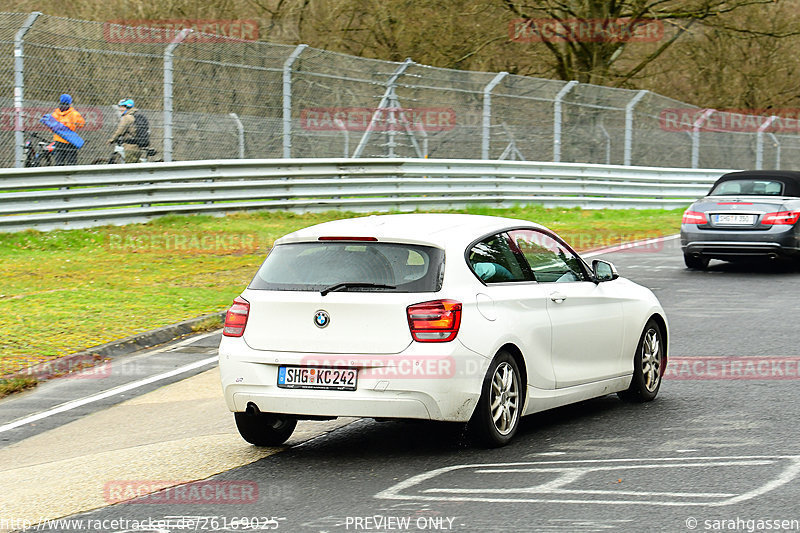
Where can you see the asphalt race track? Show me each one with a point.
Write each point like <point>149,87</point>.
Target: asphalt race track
<point>717,451</point>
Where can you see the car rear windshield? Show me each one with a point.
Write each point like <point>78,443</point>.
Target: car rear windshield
<point>749,187</point>
<point>374,266</point>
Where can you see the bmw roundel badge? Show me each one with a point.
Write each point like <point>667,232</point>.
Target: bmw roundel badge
<point>321,319</point>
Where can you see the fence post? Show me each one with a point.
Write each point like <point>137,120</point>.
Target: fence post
<point>240,133</point>
<point>19,90</point>
<point>487,112</point>
<point>287,99</point>
<point>340,124</point>
<point>168,52</point>
<point>629,125</point>
<point>384,100</point>
<point>557,119</point>
<point>696,135</point>
<point>777,151</point>
<point>760,142</point>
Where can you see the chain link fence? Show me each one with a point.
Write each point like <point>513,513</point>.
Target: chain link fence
<point>213,97</point>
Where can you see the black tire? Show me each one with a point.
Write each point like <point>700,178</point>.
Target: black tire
<point>265,429</point>
<point>647,366</point>
<point>696,262</point>
<point>503,388</point>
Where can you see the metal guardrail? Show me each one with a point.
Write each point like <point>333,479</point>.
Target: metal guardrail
<point>93,195</point>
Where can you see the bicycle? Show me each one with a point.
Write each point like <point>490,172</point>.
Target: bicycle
<point>118,156</point>
<point>38,151</point>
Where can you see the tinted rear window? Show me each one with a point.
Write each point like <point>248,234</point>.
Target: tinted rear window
<point>313,266</point>
<point>749,187</point>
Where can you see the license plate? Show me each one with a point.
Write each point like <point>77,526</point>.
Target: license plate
<point>309,377</point>
<point>734,219</point>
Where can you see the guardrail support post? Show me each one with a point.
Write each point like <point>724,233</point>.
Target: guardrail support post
<point>19,90</point>
<point>760,141</point>
<point>696,135</point>
<point>240,133</point>
<point>390,84</point>
<point>168,53</point>
<point>287,99</point>
<point>629,125</point>
<point>487,112</point>
<point>557,119</point>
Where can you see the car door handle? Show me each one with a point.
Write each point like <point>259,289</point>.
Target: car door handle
<point>558,297</point>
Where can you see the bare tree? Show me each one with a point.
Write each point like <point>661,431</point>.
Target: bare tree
<point>615,57</point>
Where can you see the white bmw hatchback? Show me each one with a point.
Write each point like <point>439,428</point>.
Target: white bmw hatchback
<point>459,318</point>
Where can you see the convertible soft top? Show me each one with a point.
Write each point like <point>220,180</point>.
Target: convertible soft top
<point>789,178</point>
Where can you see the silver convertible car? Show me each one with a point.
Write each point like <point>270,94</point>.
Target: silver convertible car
<point>746,214</point>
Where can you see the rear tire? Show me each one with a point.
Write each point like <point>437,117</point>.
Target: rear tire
<point>265,429</point>
<point>496,417</point>
<point>647,366</point>
<point>696,262</point>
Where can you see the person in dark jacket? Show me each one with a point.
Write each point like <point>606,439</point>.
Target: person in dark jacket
<point>126,131</point>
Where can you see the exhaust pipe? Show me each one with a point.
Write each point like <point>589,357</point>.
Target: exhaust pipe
<point>252,409</point>
<point>773,256</point>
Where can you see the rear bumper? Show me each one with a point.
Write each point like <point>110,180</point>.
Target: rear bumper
<point>429,382</point>
<point>724,244</point>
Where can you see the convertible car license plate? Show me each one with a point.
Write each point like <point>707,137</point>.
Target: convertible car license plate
<point>734,219</point>
<point>307,377</point>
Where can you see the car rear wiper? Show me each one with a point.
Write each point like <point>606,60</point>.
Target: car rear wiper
<point>354,284</point>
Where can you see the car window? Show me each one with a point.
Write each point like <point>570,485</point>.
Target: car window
<point>493,260</point>
<point>549,260</point>
<point>313,266</point>
<point>749,187</point>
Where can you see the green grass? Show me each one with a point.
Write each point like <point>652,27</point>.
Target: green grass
<point>65,291</point>
<point>12,385</point>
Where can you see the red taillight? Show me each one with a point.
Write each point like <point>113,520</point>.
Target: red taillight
<point>436,321</point>
<point>693,217</point>
<point>781,217</point>
<point>236,318</point>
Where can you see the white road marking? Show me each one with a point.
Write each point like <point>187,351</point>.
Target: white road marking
<point>788,475</point>
<point>73,404</point>
<point>571,471</point>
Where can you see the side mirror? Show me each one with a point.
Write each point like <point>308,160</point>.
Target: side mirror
<point>604,271</point>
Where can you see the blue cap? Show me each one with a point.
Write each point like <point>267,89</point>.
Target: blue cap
<point>126,102</point>
<point>66,99</point>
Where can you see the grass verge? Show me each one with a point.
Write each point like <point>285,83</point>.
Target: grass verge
<point>68,290</point>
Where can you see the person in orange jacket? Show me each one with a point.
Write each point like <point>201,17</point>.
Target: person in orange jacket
<point>64,152</point>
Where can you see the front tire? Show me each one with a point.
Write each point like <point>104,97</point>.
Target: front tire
<point>647,366</point>
<point>696,262</point>
<point>496,417</point>
<point>265,429</point>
